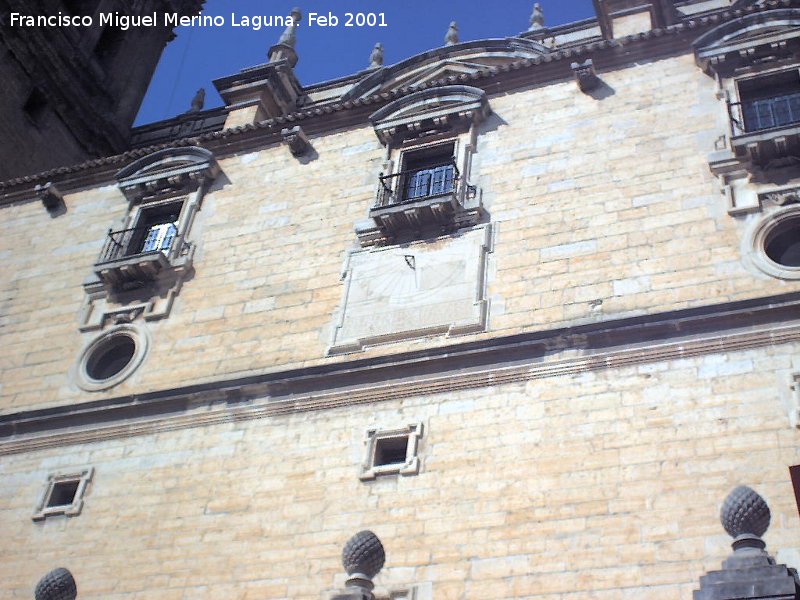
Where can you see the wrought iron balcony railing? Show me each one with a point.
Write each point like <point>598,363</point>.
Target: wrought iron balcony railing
<point>419,184</point>
<point>138,241</point>
<point>763,114</point>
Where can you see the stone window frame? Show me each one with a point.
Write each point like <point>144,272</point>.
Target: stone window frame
<point>172,175</point>
<point>755,45</point>
<point>165,177</point>
<point>141,340</point>
<point>413,434</point>
<point>757,236</point>
<point>81,475</point>
<point>423,119</point>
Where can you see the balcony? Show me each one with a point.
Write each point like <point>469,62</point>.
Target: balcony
<point>767,128</point>
<point>418,199</point>
<point>133,257</point>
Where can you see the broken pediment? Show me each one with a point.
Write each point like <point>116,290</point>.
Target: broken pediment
<point>750,39</point>
<point>450,108</point>
<point>434,65</point>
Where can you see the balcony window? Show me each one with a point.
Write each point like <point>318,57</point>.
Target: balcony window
<point>425,173</point>
<point>428,173</point>
<point>155,231</point>
<point>159,228</point>
<point>429,136</point>
<point>770,101</point>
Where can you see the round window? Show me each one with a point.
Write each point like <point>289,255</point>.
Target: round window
<point>774,243</point>
<point>112,357</point>
<point>782,244</point>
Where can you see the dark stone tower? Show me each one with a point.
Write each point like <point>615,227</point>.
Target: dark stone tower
<point>70,92</point>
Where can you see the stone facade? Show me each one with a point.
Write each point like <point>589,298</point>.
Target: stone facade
<point>576,325</point>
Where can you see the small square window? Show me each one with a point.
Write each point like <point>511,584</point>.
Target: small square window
<point>392,451</point>
<point>63,494</point>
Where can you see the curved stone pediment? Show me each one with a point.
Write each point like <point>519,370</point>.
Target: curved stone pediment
<point>466,58</point>
<point>446,108</point>
<point>740,40</point>
<point>169,170</point>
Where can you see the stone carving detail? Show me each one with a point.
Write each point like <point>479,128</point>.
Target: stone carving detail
<point>746,40</point>
<point>537,18</point>
<point>51,197</point>
<point>451,108</point>
<point>451,37</point>
<point>783,197</point>
<point>376,57</point>
<point>585,75</point>
<point>386,299</point>
<point>58,584</point>
<point>296,139</point>
<point>745,512</point>
<point>363,555</point>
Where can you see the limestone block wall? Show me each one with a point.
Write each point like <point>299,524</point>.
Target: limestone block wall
<point>604,484</point>
<point>602,207</point>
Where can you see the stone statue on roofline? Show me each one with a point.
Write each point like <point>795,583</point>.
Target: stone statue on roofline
<point>452,35</point>
<point>376,57</point>
<point>198,101</point>
<point>537,18</point>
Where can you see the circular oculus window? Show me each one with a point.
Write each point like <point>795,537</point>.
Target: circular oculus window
<point>111,358</point>
<point>776,243</point>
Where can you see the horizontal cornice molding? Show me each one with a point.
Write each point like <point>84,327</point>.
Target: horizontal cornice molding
<point>590,347</point>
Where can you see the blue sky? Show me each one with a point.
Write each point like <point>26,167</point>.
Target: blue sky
<point>201,54</point>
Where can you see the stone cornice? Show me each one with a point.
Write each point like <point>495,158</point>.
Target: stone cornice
<point>592,347</point>
<point>554,66</point>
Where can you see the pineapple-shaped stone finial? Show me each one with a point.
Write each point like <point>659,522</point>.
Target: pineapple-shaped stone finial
<point>363,555</point>
<point>745,512</point>
<point>58,584</point>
